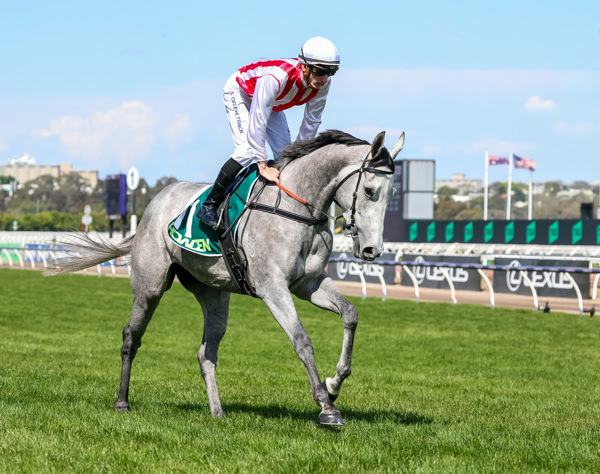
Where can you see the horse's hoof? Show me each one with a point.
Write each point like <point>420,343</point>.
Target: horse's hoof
<point>331,418</point>
<point>122,407</point>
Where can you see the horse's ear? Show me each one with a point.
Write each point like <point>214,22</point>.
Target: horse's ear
<point>397,147</point>
<point>379,154</point>
<point>377,144</point>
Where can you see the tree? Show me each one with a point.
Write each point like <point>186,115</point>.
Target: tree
<point>469,215</point>
<point>447,209</point>
<point>581,185</point>
<point>446,192</point>
<point>74,188</point>
<point>70,194</point>
<point>160,185</point>
<point>552,187</point>
<point>518,193</point>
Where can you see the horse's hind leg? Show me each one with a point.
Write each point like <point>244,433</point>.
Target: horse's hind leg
<point>215,307</point>
<point>147,290</point>
<point>325,294</point>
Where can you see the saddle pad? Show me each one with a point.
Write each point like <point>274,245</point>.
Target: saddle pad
<point>189,233</point>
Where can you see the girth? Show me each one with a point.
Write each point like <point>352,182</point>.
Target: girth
<point>233,261</point>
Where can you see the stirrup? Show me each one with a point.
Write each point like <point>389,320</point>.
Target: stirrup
<point>209,216</point>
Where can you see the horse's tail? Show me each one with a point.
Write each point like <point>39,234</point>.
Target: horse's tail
<point>90,252</point>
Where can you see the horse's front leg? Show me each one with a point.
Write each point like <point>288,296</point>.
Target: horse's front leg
<point>323,293</point>
<point>280,303</point>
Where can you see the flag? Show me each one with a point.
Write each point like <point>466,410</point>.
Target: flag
<point>524,163</point>
<point>497,160</point>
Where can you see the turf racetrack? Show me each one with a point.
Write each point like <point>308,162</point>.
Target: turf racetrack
<point>435,387</point>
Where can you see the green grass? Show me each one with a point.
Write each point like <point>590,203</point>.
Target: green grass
<point>435,387</point>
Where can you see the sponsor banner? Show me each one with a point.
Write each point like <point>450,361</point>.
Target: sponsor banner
<point>519,232</point>
<point>351,271</point>
<point>36,251</point>
<point>7,252</point>
<point>433,277</point>
<point>545,282</point>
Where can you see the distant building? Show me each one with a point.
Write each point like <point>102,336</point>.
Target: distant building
<point>537,188</point>
<point>23,169</point>
<point>459,181</point>
<point>570,193</point>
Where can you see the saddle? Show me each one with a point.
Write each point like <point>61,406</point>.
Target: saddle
<point>188,232</point>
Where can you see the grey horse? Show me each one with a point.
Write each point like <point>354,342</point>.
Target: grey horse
<point>283,256</point>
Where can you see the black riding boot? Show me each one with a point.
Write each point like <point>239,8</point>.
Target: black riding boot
<point>209,212</point>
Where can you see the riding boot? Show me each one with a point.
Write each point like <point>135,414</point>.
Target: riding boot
<point>209,211</point>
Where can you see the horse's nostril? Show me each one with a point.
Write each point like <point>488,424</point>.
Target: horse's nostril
<point>370,253</point>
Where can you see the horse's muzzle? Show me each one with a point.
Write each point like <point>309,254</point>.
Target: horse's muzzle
<point>368,253</point>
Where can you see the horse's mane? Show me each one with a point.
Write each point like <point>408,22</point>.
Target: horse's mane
<point>304,147</point>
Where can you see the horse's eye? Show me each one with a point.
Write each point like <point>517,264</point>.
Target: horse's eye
<point>370,192</point>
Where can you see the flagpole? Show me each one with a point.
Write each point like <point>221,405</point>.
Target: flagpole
<point>529,214</point>
<point>510,167</point>
<point>485,192</point>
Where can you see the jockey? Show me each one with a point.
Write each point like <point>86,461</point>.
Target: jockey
<point>255,98</point>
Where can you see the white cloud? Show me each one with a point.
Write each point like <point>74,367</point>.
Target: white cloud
<point>179,128</point>
<point>575,130</point>
<point>535,102</point>
<point>126,133</point>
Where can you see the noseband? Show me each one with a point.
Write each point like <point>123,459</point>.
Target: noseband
<point>351,227</point>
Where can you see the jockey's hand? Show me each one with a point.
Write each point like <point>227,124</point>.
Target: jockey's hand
<point>270,174</point>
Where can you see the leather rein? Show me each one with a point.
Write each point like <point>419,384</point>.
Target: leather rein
<point>350,227</point>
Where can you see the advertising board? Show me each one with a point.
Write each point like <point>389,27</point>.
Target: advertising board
<point>546,283</point>
<point>433,277</point>
<point>350,271</point>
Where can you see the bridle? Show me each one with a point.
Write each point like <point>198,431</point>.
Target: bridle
<point>351,227</point>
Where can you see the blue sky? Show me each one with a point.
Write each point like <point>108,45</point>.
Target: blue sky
<point>106,85</point>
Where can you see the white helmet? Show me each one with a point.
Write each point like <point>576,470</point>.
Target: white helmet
<point>319,51</point>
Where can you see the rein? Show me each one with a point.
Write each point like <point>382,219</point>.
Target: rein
<point>275,210</point>
<point>313,220</point>
<point>349,227</point>
<point>291,194</point>
<point>306,203</point>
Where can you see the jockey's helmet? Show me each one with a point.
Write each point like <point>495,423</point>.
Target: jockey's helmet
<point>319,51</point>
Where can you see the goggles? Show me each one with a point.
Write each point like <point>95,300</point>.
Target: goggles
<point>323,70</point>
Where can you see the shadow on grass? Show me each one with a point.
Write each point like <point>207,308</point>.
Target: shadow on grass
<point>276,411</point>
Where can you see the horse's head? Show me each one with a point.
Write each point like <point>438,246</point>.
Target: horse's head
<point>365,208</point>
